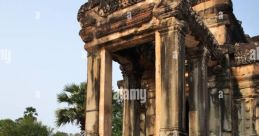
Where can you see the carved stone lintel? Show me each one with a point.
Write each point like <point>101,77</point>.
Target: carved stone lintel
<point>105,7</point>
<point>246,54</point>
<point>120,23</point>
<point>86,35</point>
<point>173,24</point>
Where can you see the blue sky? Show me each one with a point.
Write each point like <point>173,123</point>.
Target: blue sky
<point>46,52</point>
<point>247,11</point>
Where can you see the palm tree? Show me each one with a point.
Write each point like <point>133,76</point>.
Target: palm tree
<point>74,96</point>
<point>30,112</point>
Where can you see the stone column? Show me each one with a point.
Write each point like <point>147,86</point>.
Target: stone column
<point>105,106</point>
<point>150,107</point>
<point>198,98</point>
<point>93,92</point>
<point>134,107</point>
<point>131,108</point>
<point>170,40</point>
<point>158,81</point>
<point>246,120</point>
<point>257,116</point>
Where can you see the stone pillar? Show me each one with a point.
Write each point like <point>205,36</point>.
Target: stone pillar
<point>257,116</point>
<point>105,106</point>
<point>221,105</point>
<point>158,81</point>
<point>170,40</point>
<point>198,98</point>
<point>126,112</point>
<point>134,108</point>
<point>150,107</point>
<point>131,108</point>
<point>214,113</point>
<point>93,92</point>
<point>247,116</point>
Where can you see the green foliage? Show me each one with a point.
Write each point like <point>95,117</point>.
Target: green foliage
<point>30,112</point>
<point>8,128</point>
<point>60,134</point>
<point>116,117</point>
<point>26,126</point>
<point>29,127</point>
<point>74,96</point>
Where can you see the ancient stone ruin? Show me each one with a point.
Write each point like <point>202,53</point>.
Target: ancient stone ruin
<point>200,70</point>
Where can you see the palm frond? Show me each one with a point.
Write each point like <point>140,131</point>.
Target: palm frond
<point>65,116</point>
<point>64,98</point>
<point>74,96</point>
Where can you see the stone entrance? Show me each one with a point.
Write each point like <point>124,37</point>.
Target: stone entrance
<point>165,47</point>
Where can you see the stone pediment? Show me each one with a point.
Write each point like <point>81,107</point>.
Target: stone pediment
<point>105,7</point>
<point>119,23</point>
<point>191,56</point>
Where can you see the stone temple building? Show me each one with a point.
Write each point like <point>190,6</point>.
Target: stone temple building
<point>200,70</point>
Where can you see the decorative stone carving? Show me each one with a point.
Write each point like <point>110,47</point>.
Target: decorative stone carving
<point>246,54</point>
<point>147,38</point>
<point>106,7</point>
<point>119,23</point>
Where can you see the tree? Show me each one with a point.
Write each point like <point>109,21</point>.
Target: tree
<point>116,117</point>
<point>30,127</point>
<point>74,96</point>
<point>24,126</point>
<point>60,134</point>
<point>30,112</point>
<point>7,128</point>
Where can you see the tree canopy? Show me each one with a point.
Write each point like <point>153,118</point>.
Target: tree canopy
<point>24,126</point>
<point>27,126</point>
